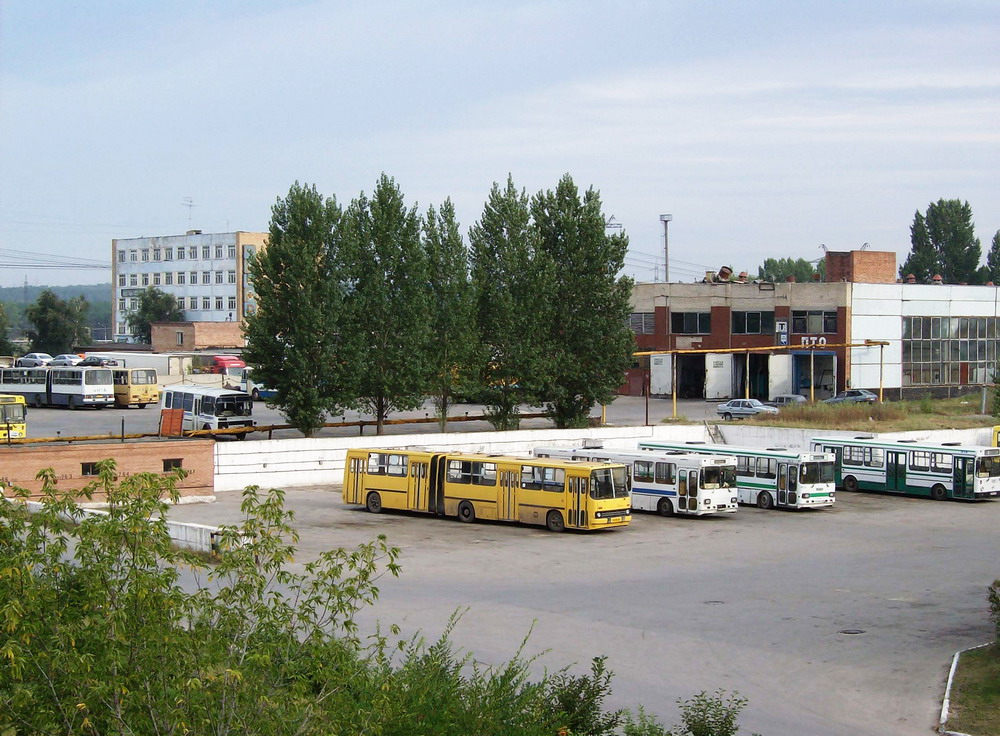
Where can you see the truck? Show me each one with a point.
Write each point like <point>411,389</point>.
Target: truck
<point>166,364</point>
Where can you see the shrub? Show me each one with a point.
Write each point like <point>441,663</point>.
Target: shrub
<point>993,596</point>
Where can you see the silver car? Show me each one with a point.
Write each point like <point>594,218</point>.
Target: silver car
<point>66,359</point>
<point>739,408</point>
<point>33,360</point>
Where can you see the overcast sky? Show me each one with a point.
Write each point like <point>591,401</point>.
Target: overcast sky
<point>764,128</point>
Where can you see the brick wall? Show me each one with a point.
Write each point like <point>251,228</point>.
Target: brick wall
<point>20,464</point>
<point>197,336</point>
<point>862,266</point>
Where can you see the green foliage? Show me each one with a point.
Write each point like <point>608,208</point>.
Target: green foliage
<point>153,305</point>
<point>452,359</point>
<point>59,324</point>
<point>577,703</point>
<point>778,269</point>
<point>993,260</point>
<point>299,340</point>
<point>926,404</point>
<point>390,300</point>
<point>943,241</point>
<point>711,715</point>
<point>922,261</point>
<point>587,343</point>
<point>993,597</point>
<point>6,346</point>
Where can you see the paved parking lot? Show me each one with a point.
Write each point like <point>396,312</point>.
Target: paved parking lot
<point>832,622</point>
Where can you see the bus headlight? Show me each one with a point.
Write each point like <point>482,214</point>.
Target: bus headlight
<point>733,500</point>
<point>805,495</point>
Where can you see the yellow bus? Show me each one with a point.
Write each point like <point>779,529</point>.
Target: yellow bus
<point>13,422</point>
<point>135,386</point>
<point>557,494</point>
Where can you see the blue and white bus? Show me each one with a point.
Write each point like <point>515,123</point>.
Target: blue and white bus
<point>209,408</point>
<point>71,386</point>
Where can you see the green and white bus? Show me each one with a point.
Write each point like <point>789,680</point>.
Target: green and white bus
<point>773,478</point>
<point>912,468</point>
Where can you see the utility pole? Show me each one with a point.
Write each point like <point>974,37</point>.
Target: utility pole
<point>665,219</point>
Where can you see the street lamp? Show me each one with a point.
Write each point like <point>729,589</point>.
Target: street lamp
<point>665,219</point>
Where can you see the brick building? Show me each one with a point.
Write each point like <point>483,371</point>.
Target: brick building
<point>184,336</point>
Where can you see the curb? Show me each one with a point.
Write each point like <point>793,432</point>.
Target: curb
<point>947,692</point>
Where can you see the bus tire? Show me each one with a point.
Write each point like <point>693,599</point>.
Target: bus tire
<point>255,395</point>
<point>850,483</point>
<point>664,507</point>
<point>373,502</point>
<point>141,406</point>
<point>939,492</point>
<point>764,501</point>
<point>554,522</point>
<point>466,512</point>
<point>72,402</point>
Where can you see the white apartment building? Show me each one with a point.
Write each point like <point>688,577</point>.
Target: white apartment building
<point>207,273</point>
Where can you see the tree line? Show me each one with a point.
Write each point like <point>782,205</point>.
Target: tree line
<point>943,242</point>
<point>374,306</point>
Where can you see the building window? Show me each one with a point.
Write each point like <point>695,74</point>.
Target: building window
<point>133,279</point>
<point>206,303</point>
<point>949,350</point>
<point>121,305</point>
<point>232,250</point>
<point>193,252</point>
<point>121,280</point>
<point>145,279</point>
<point>180,254</point>
<point>121,256</point>
<point>218,251</point>
<point>174,463</point>
<point>691,323</point>
<point>232,302</point>
<point>133,255</point>
<point>206,252</point>
<point>180,337</point>
<point>145,254</point>
<point>168,254</point>
<point>194,278</point>
<point>133,304</point>
<point>156,279</point>
<point>753,323</point>
<point>641,323</point>
<point>206,277</point>
<point>181,278</point>
<point>88,468</point>
<point>218,303</point>
<point>814,322</point>
<point>218,277</point>
<point>231,277</point>
<point>180,302</point>
<point>168,278</point>
<point>156,254</point>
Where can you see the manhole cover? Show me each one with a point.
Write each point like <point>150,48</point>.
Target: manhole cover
<point>714,603</point>
<point>851,631</point>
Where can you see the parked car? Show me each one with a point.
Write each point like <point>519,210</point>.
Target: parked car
<point>99,362</point>
<point>786,400</point>
<point>66,359</point>
<point>33,360</point>
<point>739,408</point>
<point>853,396</point>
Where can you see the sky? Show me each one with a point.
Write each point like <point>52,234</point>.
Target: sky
<point>766,129</point>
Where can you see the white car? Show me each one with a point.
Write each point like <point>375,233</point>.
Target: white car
<point>66,359</point>
<point>33,360</point>
<point>739,408</point>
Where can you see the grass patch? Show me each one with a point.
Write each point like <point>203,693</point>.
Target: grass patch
<point>891,416</point>
<point>975,693</point>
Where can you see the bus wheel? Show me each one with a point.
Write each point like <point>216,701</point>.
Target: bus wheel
<point>374,503</point>
<point>664,507</point>
<point>764,501</point>
<point>938,493</point>
<point>466,512</point>
<point>255,395</point>
<point>850,483</point>
<point>72,402</point>
<point>141,406</point>
<point>554,522</point>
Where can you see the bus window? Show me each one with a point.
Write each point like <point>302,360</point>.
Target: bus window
<point>143,376</point>
<point>666,473</point>
<point>692,482</point>
<point>609,483</point>
<point>810,473</point>
<point>208,405</point>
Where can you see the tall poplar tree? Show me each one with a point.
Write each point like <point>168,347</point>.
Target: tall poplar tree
<point>297,341</point>
<point>509,283</point>
<point>588,342</point>
<point>390,300</point>
<point>452,309</point>
<point>993,260</point>
<point>922,261</point>
<point>944,242</point>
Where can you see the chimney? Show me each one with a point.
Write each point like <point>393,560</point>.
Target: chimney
<point>790,279</point>
<point>936,279</point>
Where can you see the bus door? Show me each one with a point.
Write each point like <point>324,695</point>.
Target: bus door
<point>895,470</point>
<point>507,502</point>
<point>837,454</point>
<point>435,486</point>
<point>782,484</point>
<point>965,477</point>
<point>692,503</point>
<point>356,480</point>
<point>793,484</point>
<point>577,512</point>
<point>416,489</point>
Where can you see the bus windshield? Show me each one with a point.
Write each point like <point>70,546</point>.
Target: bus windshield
<point>718,476</point>
<point>609,483</point>
<point>233,406</point>
<point>13,413</point>
<point>816,473</point>
<point>101,377</point>
<point>143,376</point>
<point>988,467</point>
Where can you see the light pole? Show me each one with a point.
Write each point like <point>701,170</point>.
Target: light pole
<point>665,219</point>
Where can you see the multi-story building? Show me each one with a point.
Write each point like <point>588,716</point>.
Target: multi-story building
<point>864,330</point>
<point>207,272</point>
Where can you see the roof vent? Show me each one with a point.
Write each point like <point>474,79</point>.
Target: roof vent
<point>194,232</point>
<point>951,444</point>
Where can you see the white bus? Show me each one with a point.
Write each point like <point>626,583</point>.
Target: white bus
<point>911,468</point>
<point>773,477</point>
<point>209,408</point>
<point>71,386</point>
<point>669,483</point>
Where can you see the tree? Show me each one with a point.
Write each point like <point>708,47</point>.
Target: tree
<point>59,325</point>
<point>779,269</point>
<point>452,308</point>
<point>588,342</point>
<point>6,346</point>
<point>154,306</point>
<point>390,301</point>
<point>508,281</point>
<point>993,260</point>
<point>298,340</point>
<point>943,241</point>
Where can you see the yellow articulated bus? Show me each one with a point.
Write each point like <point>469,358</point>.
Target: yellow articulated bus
<point>557,494</point>
<point>135,386</point>
<point>13,422</point>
